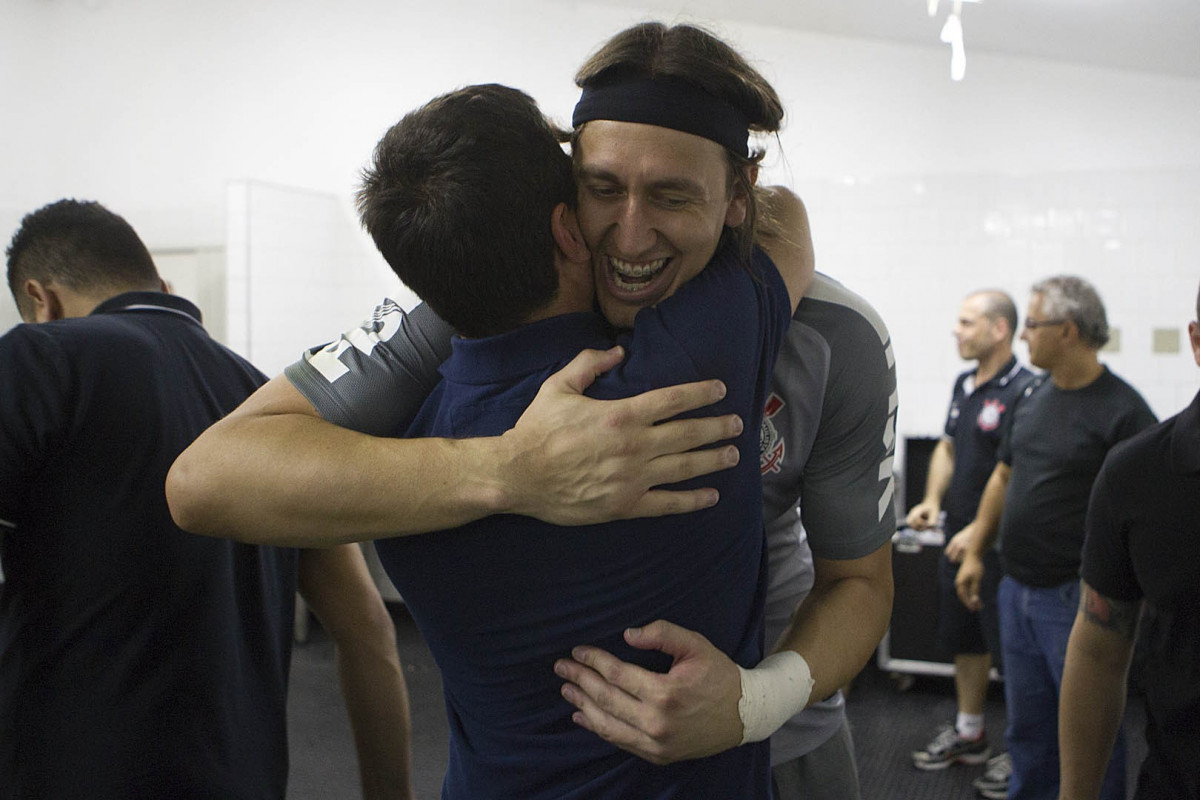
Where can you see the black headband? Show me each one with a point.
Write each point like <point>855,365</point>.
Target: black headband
<point>668,103</point>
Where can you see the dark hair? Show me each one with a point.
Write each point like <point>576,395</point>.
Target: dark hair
<point>997,304</point>
<point>1075,299</point>
<point>692,54</point>
<point>81,245</point>
<point>458,199</point>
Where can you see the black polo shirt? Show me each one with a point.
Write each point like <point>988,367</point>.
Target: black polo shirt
<point>136,660</point>
<point>1143,541</point>
<point>974,424</point>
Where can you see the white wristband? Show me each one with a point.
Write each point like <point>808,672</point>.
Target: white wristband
<point>772,693</point>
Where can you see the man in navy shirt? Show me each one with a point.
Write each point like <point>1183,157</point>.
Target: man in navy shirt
<point>136,660</point>
<point>958,470</point>
<point>473,190</point>
<point>1141,559</point>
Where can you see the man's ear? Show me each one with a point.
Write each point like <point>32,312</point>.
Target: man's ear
<point>44,303</point>
<point>1194,335</point>
<point>739,202</point>
<point>1069,331</point>
<point>1000,330</point>
<point>564,224</point>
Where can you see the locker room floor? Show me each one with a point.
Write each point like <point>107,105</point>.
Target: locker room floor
<point>887,724</point>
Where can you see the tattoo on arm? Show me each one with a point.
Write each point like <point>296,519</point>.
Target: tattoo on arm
<point>1118,616</point>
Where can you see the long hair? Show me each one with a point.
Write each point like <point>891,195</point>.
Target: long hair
<point>692,54</point>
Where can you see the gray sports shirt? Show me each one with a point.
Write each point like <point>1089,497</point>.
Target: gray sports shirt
<point>828,436</point>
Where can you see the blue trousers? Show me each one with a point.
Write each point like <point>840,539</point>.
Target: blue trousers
<point>1035,625</point>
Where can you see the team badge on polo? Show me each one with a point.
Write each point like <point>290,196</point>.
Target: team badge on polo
<point>989,415</point>
<point>770,444</point>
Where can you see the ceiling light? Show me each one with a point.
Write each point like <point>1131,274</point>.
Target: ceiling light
<point>952,34</point>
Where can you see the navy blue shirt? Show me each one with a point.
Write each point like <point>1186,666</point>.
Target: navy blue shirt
<point>1143,541</point>
<point>136,660</point>
<point>500,599</point>
<point>974,423</point>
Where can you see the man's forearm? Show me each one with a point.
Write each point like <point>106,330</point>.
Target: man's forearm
<point>699,706</point>
<point>1094,690</point>
<point>1093,702</point>
<point>924,515</point>
<point>840,623</point>
<point>339,589</point>
<point>941,470</point>
<point>382,730</point>
<point>247,478</point>
<point>274,472</point>
<point>991,507</point>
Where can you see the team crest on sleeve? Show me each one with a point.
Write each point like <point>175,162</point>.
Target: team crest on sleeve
<point>989,415</point>
<point>770,443</point>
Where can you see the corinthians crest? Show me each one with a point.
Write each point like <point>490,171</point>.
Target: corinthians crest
<point>770,445</point>
<point>989,415</point>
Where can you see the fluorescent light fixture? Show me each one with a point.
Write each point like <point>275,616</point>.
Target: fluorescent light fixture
<point>952,34</point>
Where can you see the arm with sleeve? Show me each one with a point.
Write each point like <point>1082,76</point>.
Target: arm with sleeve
<point>846,490</point>
<point>374,378</point>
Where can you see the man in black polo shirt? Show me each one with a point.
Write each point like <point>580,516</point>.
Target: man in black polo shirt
<point>1051,450</point>
<point>136,660</point>
<point>1142,549</point>
<point>958,470</point>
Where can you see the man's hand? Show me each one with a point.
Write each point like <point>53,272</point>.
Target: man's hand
<point>969,579</point>
<point>923,515</point>
<point>572,460</point>
<point>956,547</point>
<point>689,712</point>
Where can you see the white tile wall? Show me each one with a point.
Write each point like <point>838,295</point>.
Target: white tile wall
<point>914,246</point>
<point>300,272</point>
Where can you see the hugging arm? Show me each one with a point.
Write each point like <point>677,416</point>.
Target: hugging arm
<point>787,239</point>
<point>275,472</point>
<point>848,595</point>
<point>691,711</point>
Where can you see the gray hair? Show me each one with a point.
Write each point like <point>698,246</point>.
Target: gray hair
<point>1073,298</point>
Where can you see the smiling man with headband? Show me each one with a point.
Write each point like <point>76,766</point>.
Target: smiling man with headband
<point>827,436</point>
<point>627,155</point>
